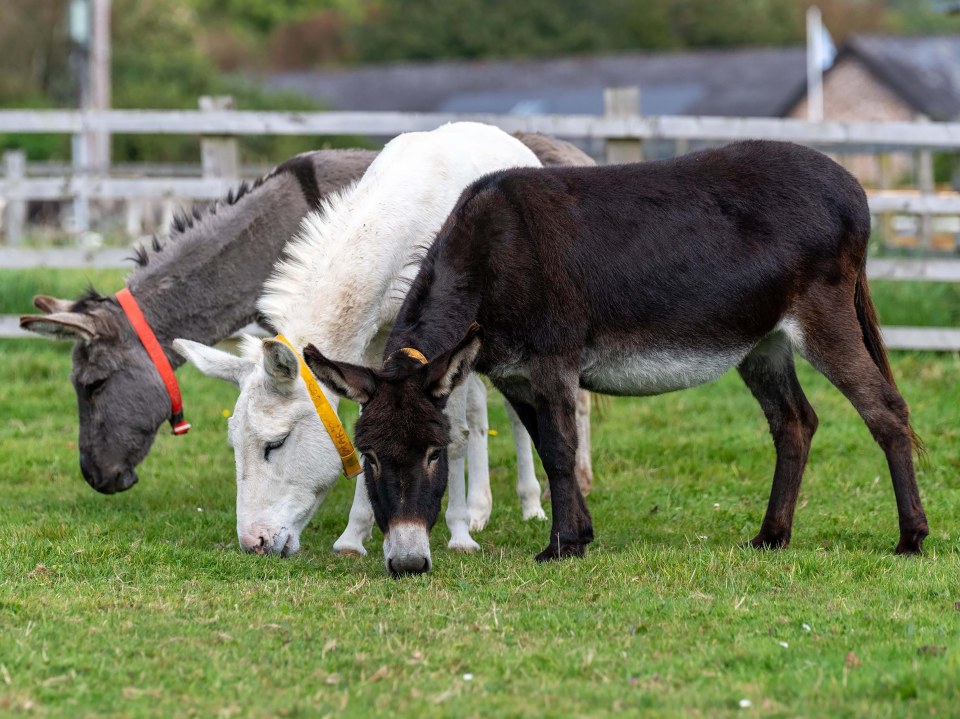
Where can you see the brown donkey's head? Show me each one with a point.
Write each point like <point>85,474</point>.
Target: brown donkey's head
<point>403,434</point>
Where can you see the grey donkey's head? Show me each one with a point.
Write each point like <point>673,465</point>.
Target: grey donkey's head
<point>120,397</point>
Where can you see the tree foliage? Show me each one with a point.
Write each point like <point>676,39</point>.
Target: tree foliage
<point>168,52</point>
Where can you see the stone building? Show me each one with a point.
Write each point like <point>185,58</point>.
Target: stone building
<point>886,78</point>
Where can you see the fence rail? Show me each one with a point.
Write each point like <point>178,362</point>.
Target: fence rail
<point>112,188</point>
<point>622,129</point>
<point>912,135</point>
<point>120,258</point>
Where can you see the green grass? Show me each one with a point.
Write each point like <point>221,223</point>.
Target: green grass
<point>141,604</point>
<point>18,287</point>
<point>924,304</point>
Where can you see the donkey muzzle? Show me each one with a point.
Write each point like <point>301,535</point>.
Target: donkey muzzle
<point>406,548</point>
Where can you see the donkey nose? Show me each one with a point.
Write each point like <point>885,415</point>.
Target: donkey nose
<point>408,564</point>
<point>258,540</point>
<point>406,548</point>
<point>104,482</point>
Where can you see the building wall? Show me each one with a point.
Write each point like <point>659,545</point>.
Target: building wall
<point>852,93</point>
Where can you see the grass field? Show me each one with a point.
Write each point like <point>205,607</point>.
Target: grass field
<point>141,604</point>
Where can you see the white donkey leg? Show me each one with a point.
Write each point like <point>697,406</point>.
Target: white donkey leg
<point>583,469</point>
<point>479,499</point>
<point>528,488</point>
<point>360,526</point>
<point>458,515</point>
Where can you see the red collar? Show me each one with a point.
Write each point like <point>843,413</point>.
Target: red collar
<point>160,361</point>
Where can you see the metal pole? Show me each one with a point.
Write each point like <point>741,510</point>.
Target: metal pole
<point>79,146</point>
<point>99,67</point>
<point>814,64</point>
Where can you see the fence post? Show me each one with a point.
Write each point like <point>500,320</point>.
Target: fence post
<point>622,102</point>
<point>885,180</point>
<point>926,186</point>
<point>80,222</point>
<point>219,155</point>
<point>14,169</point>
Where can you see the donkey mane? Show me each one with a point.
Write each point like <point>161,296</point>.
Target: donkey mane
<point>338,251</point>
<point>300,166</point>
<point>184,220</point>
<point>306,254</point>
<point>88,300</point>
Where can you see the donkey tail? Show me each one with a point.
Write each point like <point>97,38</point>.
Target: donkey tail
<point>870,327</point>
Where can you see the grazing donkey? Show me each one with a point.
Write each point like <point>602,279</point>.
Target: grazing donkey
<point>203,284</point>
<point>634,279</point>
<point>341,286</point>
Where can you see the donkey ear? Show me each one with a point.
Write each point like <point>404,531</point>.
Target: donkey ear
<point>448,370</point>
<point>48,305</point>
<point>347,380</point>
<point>213,362</point>
<point>61,325</point>
<point>280,363</point>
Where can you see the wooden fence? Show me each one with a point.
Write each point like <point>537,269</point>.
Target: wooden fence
<point>621,130</point>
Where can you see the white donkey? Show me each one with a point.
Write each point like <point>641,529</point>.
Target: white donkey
<point>340,287</point>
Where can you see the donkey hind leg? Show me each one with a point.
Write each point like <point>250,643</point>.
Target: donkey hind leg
<point>549,417</point>
<point>528,488</point>
<point>584,468</point>
<point>772,378</point>
<point>458,514</point>
<point>479,498</point>
<point>360,526</point>
<point>836,348</point>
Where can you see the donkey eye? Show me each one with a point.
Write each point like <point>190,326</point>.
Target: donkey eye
<point>433,456</point>
<point>95,386</point>
<point>272,446</point>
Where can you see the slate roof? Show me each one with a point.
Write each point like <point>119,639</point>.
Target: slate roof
<point>924,71</point>
<point>747,82</point>
<point>741,82</point>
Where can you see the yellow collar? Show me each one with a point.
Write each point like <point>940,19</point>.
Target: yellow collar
<point>348,455</point>
<point>414,354</point>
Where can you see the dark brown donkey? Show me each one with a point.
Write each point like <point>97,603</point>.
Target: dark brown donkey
<point>632,280</point>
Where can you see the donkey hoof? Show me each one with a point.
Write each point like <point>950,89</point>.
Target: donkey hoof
<point>465,545</point>
<point>564,550</point>
<point>477,523</point>
<point>769,541</point>
<point>349,549</point>
<point>534,513</point>
<point>910,546</point>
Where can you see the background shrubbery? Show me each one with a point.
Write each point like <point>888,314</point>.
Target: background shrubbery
<point>166,53</point>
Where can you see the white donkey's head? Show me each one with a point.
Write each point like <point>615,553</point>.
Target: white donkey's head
<point>286,461</point>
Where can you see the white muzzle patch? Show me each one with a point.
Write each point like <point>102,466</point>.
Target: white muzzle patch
<point>406,548</point>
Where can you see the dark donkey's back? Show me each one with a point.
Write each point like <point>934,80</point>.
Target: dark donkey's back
<point>697,256</point>
<point>646,278</point>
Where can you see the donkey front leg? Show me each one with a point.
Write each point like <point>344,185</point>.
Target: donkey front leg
<point>360,526</point>
<point>528,488</point>
<point>479,498</point>
<point>458,512</point>
<point>550,419</point>
<point>584,465</point>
